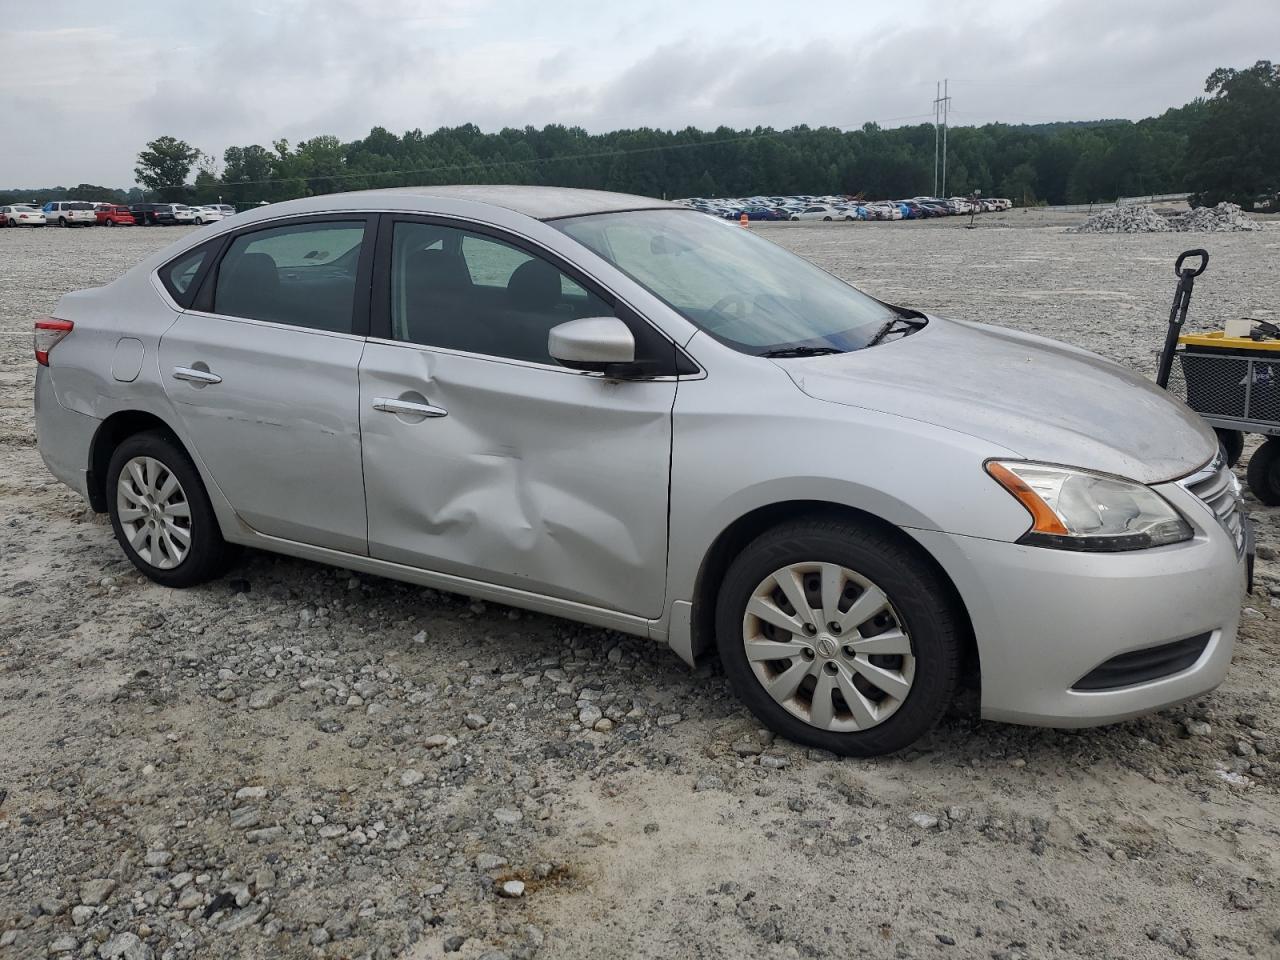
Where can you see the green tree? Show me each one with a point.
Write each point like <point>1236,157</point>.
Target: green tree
<point>1233,153</point>
<point>163,166</point>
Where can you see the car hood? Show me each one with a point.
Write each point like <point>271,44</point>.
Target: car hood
<point>1042,399</point>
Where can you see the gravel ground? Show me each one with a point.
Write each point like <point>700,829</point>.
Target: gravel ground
<point>299,762</point>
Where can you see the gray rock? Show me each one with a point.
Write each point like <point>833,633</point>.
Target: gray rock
<point>708,781</point>
<point>63,944</point>
<point>487,862</point>
<point>511,889</point>
<point>265,835</point>
<point>263,698</point>
<point>1196,728</point>
<point>125,946</point>
<point>474,721</point>
<point>589,714</point>
<point>925,821</point>
<point>507,816</point>
<point>95,892</point>
<point>397,839</point>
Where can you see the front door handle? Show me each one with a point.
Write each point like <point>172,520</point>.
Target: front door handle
<point>192,375</point>
<point>408,408</point>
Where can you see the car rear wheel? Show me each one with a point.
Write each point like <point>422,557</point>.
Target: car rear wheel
<point>837,636</point>
<point>109,222</point>
<point>161,513</point>
<point>62,221</point>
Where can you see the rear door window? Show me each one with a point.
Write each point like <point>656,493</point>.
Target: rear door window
<point>301,274</point>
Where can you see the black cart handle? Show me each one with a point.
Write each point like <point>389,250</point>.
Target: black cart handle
<point>1204,262</point>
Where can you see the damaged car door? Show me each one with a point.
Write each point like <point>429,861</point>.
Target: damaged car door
<point>486,459</point>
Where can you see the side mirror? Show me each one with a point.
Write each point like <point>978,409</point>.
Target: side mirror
<point>597,344</point>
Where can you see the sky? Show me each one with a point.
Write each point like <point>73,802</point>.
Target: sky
<point>91,81</point>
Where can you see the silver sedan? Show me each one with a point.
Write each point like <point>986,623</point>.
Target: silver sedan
<point>617,410</point>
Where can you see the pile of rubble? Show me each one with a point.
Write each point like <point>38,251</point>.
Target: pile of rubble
<point>1224,218</point>
<point>1132,219</point>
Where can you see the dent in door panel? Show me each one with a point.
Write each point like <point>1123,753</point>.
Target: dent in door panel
<point>512,490</point>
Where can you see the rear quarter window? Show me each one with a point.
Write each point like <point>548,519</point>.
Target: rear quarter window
<point>180,275</point>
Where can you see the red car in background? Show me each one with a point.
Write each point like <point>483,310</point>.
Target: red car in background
<point>113,215</point>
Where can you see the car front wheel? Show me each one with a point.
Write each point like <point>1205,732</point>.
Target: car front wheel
<point>161,514</point>
<point>837,635</point>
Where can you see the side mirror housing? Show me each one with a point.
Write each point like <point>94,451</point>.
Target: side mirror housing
<point>595,344</point>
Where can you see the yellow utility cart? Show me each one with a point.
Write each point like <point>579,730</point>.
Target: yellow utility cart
<point>1233,382</point>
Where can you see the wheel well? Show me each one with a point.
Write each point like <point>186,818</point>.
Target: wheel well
<point>734,538</point>
<point>113,431</point>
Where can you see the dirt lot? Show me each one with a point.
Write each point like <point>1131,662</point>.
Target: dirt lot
<point>299,762</point>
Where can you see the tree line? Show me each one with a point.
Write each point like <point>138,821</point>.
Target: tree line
<point>1224,146</point>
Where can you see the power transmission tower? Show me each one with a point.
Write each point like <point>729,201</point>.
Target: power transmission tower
<point>946,110</point>
<point>937,101</point>
<point>941,107</point>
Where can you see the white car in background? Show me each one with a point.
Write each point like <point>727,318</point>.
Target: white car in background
<point>208,214</point>
<point>816,212</point>
<point>21,215</point>
<point>70,213</point>
<point>884,210</point>
<point>182,213</point>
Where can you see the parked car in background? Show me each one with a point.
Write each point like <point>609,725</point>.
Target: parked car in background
<point>21,215</point>
<point>70,213</point>
<point>114,215</point>
<point>569,401</point>
<point>208,214</point>
<point>816,212</point>
<point>153,214</point>
<point>182,213</point>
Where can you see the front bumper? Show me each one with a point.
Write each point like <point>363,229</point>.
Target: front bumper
<point>1044,619</point>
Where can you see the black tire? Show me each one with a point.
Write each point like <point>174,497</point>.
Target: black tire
<point>1232,443</point>
<point>110,222</point>
<point>826,218</point>
<point>62,222</point>
<point>1264,473</point>
<point>917,593</point>
<point>208,555</point>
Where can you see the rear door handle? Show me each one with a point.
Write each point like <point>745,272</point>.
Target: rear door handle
<point>408,408</point>
<point>195,376</point>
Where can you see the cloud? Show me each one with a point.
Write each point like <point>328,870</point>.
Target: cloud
<point>243,71</point>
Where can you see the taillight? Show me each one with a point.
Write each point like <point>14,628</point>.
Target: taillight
<point>48,334</point>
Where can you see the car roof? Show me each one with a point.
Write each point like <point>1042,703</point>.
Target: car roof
<point>542,203</point>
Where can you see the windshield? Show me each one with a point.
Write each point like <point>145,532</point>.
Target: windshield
<point>743,290</point>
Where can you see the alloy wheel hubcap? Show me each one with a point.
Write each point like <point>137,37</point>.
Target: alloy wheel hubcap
<point>827,645</point>
<point>154,512</point>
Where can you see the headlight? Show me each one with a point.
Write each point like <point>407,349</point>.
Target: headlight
<point>1078,510</point>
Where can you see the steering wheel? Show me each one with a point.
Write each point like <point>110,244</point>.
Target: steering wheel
<point>732,306</point>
